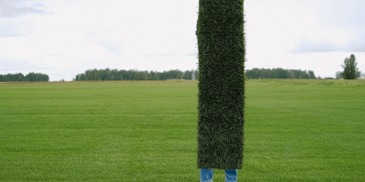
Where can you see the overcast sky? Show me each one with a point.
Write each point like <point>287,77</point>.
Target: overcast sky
<point>63,38</point>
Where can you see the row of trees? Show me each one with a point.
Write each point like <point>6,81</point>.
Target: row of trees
<point>256,73</point>
<point>114,74</point>
<point>350,72</point>
<point>19,77</point>
<point>339,74</point>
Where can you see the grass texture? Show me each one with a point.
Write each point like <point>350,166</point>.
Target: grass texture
<point>221,84</point>
<point>296,130</point>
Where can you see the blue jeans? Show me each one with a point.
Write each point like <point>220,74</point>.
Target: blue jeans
<point>206,175</point>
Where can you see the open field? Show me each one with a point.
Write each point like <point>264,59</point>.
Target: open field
<point>295,130</point>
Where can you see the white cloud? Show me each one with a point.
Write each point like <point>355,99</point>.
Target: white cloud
<point>19,27</point>
<point>74,35</point>
<point>14,8</point>
<point>339,27</point>
<point>84,34</point>
<point>296,34</point>
<point>14,19</point>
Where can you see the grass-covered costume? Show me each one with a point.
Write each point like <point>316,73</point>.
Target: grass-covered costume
<point>221,45</point>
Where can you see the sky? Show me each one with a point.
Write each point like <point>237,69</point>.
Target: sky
<point>63,38</point>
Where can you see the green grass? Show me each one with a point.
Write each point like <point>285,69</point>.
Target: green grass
<point>296,130</point>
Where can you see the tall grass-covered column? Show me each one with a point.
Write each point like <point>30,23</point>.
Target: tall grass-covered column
<point>221,45</point>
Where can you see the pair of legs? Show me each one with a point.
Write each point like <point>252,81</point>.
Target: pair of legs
<point>206,175</point>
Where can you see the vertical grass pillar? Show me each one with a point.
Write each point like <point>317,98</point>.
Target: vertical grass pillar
<point>221,45</point>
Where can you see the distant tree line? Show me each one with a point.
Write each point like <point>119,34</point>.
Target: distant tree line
<point>339,74</point>
<point>256,73</point>
<point>19,77</point>
<point>114,74</point>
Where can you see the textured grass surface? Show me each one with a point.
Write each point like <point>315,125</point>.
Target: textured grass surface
<point>310,130</point>
<point>221,54</point>
<point>296,130</point>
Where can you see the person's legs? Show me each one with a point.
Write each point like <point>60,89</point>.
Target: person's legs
<point>206,175</point>
<point>231,175</point>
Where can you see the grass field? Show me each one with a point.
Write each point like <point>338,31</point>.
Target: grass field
<point>295,130</point>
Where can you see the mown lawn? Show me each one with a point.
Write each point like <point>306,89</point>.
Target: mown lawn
<point>296,130</point>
